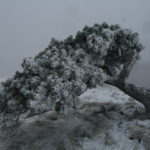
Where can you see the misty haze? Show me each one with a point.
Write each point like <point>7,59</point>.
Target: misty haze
<point>74,75</point>
<point>27,26</point>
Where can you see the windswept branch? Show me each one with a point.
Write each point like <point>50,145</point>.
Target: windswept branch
<point>142,95</point>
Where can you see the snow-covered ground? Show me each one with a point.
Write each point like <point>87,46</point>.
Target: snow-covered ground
<point>107,119</point>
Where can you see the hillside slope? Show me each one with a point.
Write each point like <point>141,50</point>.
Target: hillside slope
<point>107,120</point>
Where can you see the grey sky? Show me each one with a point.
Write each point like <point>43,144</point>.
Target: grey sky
<point>26,27</point>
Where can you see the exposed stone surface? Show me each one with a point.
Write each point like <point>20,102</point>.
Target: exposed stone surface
<point>99,124</point>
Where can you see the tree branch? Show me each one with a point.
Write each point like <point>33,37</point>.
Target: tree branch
<point>142,95</point>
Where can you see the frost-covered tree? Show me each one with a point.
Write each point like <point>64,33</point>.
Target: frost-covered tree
<point>54,78</point>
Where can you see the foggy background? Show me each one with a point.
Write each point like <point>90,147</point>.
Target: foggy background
<point>26,27</point>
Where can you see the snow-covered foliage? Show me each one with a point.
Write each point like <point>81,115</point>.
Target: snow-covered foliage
<point>55,78</point>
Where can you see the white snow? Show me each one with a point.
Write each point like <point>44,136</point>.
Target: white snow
<point>104,94</point>
<point>90,128</point>
<point>116,137</point>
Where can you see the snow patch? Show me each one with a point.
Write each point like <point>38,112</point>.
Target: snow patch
<point>104,94</point>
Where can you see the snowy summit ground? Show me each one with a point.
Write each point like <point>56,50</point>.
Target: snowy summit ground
<point>107,120</point>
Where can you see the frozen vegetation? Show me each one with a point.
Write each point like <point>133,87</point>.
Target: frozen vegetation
<point>111,121</point>
<point>60,100</point>
<point>55,77</point>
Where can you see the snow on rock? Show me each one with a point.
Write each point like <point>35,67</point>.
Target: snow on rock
<point>106,120</point>
<point>104,94</point>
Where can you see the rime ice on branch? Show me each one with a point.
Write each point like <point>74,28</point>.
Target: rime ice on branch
<point>65,69</point>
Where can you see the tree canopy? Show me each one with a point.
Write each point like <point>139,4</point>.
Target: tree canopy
<point>55,77</point>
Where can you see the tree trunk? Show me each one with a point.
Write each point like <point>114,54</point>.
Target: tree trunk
<point>142,95</point>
